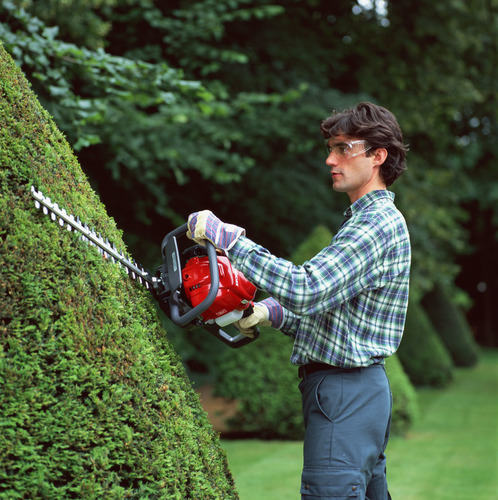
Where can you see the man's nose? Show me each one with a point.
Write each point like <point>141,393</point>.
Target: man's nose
<point>331,159</point>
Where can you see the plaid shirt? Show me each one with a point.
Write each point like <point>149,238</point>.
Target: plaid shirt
<point>347,305</point>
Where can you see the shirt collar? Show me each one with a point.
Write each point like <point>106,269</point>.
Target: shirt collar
<point>368,199</point>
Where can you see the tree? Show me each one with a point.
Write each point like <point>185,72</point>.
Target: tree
<point>244,139</point>
<point>95,402</point>
<point>437,69</point>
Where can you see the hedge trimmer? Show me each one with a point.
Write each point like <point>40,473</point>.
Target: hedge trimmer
<point>194,287</point>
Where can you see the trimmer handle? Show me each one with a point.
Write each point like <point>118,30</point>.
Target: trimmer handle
<point>237,339</point>
<point>171,259</point>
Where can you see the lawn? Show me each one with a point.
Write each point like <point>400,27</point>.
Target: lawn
<point>451,453</point>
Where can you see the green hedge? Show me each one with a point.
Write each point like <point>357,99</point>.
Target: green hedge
<point>405,406</point>
<point>425,359</point>
<point>95,402</point>
<point>260,377</point>
<point>317,240</point>
<point>452,327</point>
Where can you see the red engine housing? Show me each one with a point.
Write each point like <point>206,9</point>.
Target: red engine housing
<point>235,290</point>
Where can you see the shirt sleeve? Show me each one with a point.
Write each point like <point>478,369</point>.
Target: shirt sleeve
<point>350,264</point>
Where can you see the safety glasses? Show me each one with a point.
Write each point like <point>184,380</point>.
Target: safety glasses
<point>347,149</point>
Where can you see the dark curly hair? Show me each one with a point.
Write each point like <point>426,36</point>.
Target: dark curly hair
<point>378,127</point>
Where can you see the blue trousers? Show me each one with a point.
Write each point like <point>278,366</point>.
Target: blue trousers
<point>347,417</point>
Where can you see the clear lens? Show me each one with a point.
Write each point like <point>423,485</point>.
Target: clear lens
<point>348,149</point>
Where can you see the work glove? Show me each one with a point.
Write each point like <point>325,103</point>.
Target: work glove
<point>268,312</point>
<point>206,226</point>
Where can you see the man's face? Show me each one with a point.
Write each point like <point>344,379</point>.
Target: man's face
<point>352,171</point>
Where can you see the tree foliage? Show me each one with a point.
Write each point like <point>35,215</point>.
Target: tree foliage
<point>216,104</point>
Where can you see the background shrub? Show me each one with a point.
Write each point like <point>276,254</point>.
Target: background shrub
<point>260,377</point>
<point>95,402</point>
<point>425,359</point>
<point>451,326</point>
<point>405,407</point>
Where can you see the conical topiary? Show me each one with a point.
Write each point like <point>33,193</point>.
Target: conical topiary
<point>452,327</point>
<point>424,357</point>
<point>95,402</point>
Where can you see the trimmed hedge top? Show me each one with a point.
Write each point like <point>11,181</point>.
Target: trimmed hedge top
<point>95,402</point>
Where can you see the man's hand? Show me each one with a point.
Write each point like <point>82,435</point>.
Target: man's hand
<point>268,312</point>
<point>206,226</point>
<point>259,317</point>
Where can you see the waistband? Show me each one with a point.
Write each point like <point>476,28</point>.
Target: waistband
<point>306,370</point>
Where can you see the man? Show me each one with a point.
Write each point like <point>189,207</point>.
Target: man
<point>345,307</point>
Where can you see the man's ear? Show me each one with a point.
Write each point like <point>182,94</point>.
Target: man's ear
<point>380,155</point>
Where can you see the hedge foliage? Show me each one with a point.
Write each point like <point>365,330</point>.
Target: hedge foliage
<point>95,402</point>
<point>452,327</point>
<point>264,382</point>
<point>424,357</point>
<point>260,377</point>
<point>405,406</point>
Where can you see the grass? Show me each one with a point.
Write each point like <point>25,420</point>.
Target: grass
<point>451,453</point>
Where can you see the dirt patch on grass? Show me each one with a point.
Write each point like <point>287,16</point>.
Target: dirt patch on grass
<point>218,409</point>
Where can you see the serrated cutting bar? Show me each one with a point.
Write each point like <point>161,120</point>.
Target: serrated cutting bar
<point>92,238</point>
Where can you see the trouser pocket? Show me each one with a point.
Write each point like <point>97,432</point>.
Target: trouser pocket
<point>331,483</point>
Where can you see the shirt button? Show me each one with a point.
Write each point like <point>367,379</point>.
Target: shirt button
<point>307,487</point>
<point>354,488</point>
